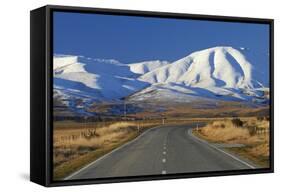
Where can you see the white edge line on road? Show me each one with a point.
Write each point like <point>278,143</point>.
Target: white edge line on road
<point>230,155</point>
<point>107,154</point>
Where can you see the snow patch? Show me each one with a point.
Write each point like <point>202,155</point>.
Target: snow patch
<point>218,73</point>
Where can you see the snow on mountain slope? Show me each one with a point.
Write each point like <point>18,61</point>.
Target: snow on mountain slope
<point>103,79</point>
<point>61,61</point>
<point>67,64</point>
<point>146,66</point>
<point>214,67</point>
<point>174,92</point>
<point>218,73</point>
<point>168,92</point>
<point>260,69</point>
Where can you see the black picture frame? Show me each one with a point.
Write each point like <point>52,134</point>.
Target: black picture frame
<point>41,54</point>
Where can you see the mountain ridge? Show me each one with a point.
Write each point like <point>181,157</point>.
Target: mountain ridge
<point>218,73</point>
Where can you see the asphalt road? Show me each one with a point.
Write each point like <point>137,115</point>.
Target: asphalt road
<point>162,150</point>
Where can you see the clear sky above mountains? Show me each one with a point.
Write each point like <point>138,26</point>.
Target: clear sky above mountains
<point>134,39</point>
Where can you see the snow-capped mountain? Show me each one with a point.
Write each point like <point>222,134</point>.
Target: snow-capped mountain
<point>214,67</point>
<point>97,78</point>
<point>218,73</point>
<point>146,66</point>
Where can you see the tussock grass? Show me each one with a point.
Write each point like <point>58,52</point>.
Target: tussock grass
<point>224,131</point>
<point>253,133</point>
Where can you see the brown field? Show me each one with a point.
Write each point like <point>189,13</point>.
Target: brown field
<point>251,132</point>
<point>206,110</point>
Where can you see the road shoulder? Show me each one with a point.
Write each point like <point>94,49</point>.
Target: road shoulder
<point>223,150</point>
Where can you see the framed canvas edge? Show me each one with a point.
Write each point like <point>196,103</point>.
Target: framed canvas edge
<point>49,139</point>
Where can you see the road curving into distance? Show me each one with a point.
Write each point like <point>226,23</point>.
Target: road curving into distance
<point>166,149</point>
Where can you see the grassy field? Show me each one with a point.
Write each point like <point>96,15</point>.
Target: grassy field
<point>77,144</point>
<point>251,132</point>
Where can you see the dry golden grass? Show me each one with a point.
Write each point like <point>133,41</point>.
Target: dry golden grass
<point>254,134</point>
<point>253,122</point>
<point>82,143</point>
<point>74,137</point>
<point>225,131</point>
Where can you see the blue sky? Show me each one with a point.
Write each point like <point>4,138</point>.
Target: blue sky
<point>132,39</point>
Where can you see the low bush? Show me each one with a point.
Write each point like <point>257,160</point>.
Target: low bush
<point>237,122</point>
